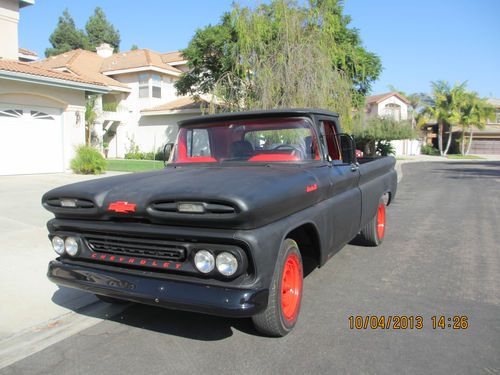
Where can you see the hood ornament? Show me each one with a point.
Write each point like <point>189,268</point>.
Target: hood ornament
<point>122,207</point>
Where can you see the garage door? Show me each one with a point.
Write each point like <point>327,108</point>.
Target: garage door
<point>485,146</point>
<point>31,140</point>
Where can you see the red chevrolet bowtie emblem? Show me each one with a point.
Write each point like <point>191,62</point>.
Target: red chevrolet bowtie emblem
<point>122,207</point>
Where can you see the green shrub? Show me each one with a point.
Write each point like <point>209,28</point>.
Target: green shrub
<point>139,155</point>
<point>385,148</point>
<point>88,161</point>
<point>429,150</point>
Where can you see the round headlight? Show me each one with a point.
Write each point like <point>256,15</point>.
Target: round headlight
<point>227,264</point>
<point>204,261</point>
<point>71,245</point>
<point>58,245</point>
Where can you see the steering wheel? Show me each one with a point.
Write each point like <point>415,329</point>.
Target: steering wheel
<point>295,150</point>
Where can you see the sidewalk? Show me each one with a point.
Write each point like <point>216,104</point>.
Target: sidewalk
<point>27,297</point>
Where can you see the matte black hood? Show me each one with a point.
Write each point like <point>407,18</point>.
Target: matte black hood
<point>257,194</point>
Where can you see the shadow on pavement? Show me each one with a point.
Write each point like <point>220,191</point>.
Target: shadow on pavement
<point>171,322</point>
<point>461,170</point>
<point>179,323</point>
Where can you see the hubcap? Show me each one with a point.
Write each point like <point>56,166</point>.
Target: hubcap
<point>291,287</point>
<point>381,221</point>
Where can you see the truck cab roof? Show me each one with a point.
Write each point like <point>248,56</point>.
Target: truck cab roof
<point>284,112</point>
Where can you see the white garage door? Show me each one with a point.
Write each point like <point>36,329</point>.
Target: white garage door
<point>31,140</point>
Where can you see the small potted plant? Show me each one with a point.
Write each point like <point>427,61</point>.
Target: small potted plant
<point>105,146</point>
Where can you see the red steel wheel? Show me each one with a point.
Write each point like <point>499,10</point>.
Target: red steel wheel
<point>291,287</point>
<point>381,221</point>
<point>285,293</point>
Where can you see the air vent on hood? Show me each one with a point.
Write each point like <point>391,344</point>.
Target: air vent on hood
<point>70,203</point>
<point>208,207</point>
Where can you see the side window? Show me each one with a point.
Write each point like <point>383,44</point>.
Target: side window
<point>143,85</point>
<point>156,85</point>
<point>330,142</point>
<point>198,143</point>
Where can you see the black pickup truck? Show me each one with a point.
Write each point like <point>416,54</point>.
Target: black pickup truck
<point>223,229</point>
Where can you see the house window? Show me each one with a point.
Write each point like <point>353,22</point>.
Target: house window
<point>156,85</point>
<point>497,117</point>
<point>143,86</point>
<point>12,113</point>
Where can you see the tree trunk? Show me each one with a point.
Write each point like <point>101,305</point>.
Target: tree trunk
<point>470,141</point>
<point>462,145</point>
<point>450,135</point>
<point>440,138</point>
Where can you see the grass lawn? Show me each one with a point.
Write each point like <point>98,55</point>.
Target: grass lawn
<point>458,156</point>
<point>129,165</point>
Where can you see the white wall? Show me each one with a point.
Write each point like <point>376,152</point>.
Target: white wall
<point>9,19</point>
<point>148,132</point>
<point>134,103</point>
<point>407,147</point>
<point>382,111</point>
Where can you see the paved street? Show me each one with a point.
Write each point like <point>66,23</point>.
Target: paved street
<point>440,257</point>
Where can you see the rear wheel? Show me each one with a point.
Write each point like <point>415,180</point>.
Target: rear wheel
<point>373,233</point>
<point>112,300</point>
<point>285,295</point>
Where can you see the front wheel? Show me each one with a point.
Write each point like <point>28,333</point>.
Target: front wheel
<point>285,296</point>
<point>373,233</point>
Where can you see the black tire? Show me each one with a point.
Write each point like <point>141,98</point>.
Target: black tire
<point>114,301</point>
<point>283,307</point>
<point>373,233</point>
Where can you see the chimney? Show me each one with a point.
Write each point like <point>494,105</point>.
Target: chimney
<point>104,50</point>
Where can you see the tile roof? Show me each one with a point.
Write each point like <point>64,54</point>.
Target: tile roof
<point>136,59</point>
<point>27,52</point>
<point>170,57</point>
<point>184,103</point>
<point>380,97</point>
<point>494,102</point>
<point>82,63</point>
<point>31,69</point>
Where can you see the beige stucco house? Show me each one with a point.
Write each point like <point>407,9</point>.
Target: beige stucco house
<point>41,110</point>
<point>141,107</point>
<point>391,104</point>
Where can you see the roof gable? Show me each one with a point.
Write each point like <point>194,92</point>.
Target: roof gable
<point>375,99</point>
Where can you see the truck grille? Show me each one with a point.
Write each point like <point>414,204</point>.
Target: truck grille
<point>139,247</point>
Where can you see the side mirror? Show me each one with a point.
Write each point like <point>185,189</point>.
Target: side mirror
<point>347,148</point>
<point>167,150</point>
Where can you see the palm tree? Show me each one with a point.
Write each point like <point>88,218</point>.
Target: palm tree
<point>474,112</point>
<point>90,117</point>
<point>444,107</point>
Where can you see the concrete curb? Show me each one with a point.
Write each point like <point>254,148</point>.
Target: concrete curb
<point>37,338</point>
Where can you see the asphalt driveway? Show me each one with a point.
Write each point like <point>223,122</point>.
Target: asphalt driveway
<point>440,258</point>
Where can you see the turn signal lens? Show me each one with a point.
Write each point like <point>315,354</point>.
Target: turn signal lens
<point>71,245</point>
<point>204,261</point>
<point>227,264</point>
<point>58,245</point>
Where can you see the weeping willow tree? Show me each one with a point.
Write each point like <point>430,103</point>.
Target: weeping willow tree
<point>281,55</point>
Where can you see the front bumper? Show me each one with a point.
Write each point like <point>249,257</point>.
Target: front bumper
<point>179,295</point>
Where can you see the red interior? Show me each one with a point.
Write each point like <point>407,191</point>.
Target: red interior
<point>222,135</point>
<point>274,157</point>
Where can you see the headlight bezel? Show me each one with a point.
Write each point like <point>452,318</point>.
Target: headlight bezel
<point>62,250</point>
<point>232,259</point>
<point>209,256</point>
<point>75,243</point>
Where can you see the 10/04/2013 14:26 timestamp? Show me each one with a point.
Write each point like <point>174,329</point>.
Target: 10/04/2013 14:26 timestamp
<point>398,322</point>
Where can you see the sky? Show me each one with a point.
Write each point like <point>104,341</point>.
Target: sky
<point>417,41</point>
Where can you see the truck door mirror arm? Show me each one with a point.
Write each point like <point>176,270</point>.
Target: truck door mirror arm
<point>167,150</point>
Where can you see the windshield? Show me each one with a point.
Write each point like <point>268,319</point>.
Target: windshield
<point>267,140</point>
